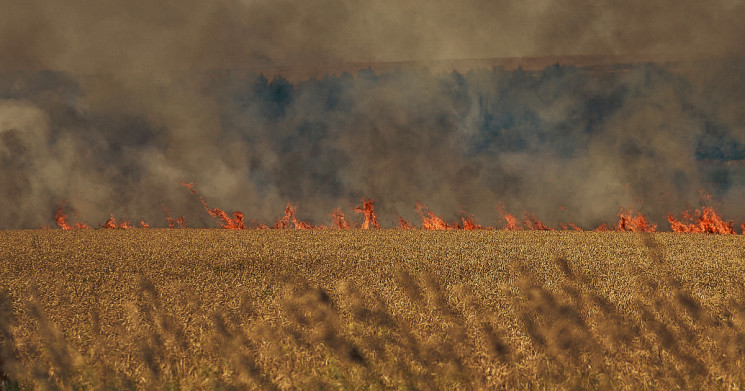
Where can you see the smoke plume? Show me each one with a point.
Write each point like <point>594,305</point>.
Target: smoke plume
<point>105,106</point>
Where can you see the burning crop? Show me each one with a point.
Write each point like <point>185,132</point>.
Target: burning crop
<point>704,220</point>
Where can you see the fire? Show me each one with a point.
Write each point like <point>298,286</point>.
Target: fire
<point>181,220</point>
<point>628,222</point>
<point>532,222</point>
<point>168,217</point>
<point>430,220</point>
<point>510,220</point>
<point>340,221</point>
<point>371,220</point>
<point>704,220</point>
<point>61,218</point>
<point>571,225</point>
<point>235,222</point>
<point>112,224</point>
<point>403,224</point>
<point>189,186</point>
<point>469,223</point>
<point>289,217</point>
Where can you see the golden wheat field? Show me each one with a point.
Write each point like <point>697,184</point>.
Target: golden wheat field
<point>370,309</point>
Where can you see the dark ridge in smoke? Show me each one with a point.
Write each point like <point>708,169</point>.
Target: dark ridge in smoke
<point>564,136</point>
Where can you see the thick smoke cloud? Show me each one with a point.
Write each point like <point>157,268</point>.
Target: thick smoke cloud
<point>105,106</point>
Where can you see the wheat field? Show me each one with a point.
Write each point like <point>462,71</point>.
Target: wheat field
<point>370,309</point>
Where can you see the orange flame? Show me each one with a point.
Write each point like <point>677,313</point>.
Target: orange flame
<point>340,221</point>
<point>189,186</point>
<point>511,220</point>
<point>403,224</point>
<point>61,219</point>
<point>181,220</point>
<point>602,228</point>
<point>469,223</point>
<point>705,220</point>
<point>571,225</point>
<point>112,224</point>
<point>371,220</point>
<point>168,217</point>
<point>235,222</point>
<point>429,219</point>
<point>627,222</point>
<point>125,225</point>
<point>532,222</point>
<point>289,217</point>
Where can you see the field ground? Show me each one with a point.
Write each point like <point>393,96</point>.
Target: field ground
<point>375,309</point>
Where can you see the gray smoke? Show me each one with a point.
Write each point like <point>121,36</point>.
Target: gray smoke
<point>106,105</point>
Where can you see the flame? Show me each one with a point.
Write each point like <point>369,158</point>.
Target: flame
<point>704,220</point>
<point>235,222</point>
<point>469,223</point>
<point>189,186</point>
<point>181,220</point>
<point>628,222</point>
<point>511,220</point>
<point>602,228</point>
<point>371,220</point>
<point>532,222</point>
<point>403,224</point>
<point>289,217</point>
<point>571,225</point>
<point>430,220</point>
<point>340,221</point>
<point>112,224</point>
<point>61,219</point>
<point>168,216</point>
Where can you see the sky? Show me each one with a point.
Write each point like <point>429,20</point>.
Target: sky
<point>105,106</point>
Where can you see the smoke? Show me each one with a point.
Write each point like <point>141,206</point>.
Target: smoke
<point>106,105</point>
